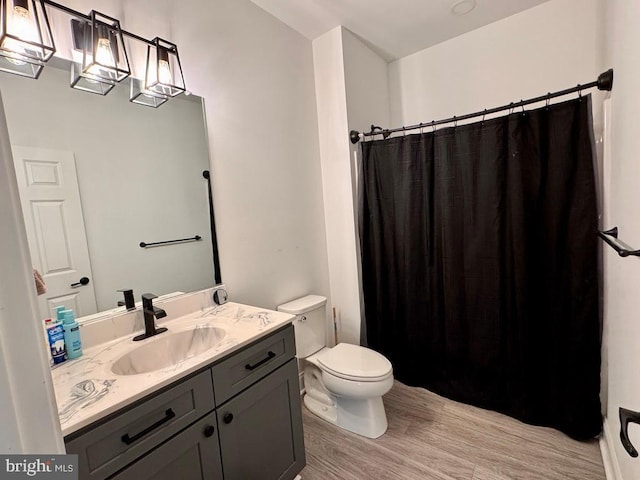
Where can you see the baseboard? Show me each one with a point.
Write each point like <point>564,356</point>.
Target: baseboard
<point>609,457</point>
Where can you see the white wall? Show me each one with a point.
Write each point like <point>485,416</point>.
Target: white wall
<point>553,46</point>
<point>367,94</point>
<point>256,75</point>
<point>140,178</point>
<point>622,275</point>
<point>351,89</point>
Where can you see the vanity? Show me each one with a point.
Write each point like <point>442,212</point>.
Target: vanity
<point>217,396</point>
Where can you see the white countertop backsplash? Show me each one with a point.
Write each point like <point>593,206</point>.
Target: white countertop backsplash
<point>87,390</point>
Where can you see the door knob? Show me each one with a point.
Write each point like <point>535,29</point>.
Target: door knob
<point>83,281</point>
<point>228,418</point>
<point>208,431</point>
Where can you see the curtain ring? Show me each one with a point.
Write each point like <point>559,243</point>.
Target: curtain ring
<point>404,132</point>
<point>421,130</point>
<point>548,100</point>
<point>524,112</point>
<point>510,108</point>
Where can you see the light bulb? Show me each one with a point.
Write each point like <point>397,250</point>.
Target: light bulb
<point>22,27</point>
<point>104,54</point>
<point>103,57</point>
<point>164,73</point>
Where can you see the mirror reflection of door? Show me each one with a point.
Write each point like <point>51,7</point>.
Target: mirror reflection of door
<point>52,211</point>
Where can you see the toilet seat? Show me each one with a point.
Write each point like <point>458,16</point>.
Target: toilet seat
<point>356,363</point>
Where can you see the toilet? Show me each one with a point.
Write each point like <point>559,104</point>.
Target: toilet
<point>344,384</point>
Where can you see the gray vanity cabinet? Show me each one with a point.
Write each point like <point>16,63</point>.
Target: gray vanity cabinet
<point>192,455</point>
<point>261,429</point>
<point>238,419</point>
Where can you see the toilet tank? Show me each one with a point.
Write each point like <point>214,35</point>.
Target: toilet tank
<point>310,323</point>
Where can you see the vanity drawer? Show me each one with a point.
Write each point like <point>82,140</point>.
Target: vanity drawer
<point>123,438</point>
<point>248,366</point>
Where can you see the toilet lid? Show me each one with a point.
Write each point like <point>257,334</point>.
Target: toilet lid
<point>355,361</point>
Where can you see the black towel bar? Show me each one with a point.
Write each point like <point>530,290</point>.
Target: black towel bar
<point>623,252</point>
<point>167,242</point>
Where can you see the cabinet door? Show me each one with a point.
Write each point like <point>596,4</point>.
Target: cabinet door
<point>261,434</point>
<point>192,454</point>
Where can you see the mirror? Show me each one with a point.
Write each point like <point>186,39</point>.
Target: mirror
<point>98,175</point>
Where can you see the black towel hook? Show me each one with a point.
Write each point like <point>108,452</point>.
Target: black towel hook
<point>627,416</point>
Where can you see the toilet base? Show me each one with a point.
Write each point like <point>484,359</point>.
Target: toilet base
<point>365,417</point>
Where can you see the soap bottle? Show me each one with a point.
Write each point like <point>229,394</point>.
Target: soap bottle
<point>71,335</point>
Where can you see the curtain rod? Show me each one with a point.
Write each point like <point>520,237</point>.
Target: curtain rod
<point>604,82</point>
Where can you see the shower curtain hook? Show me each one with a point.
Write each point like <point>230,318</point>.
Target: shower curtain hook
<point>510,108</point>
<point>548,100</point>
<point>455,122</point>
<point>580,93</point>
<point>483,115</point>
<point>433,125</point>
<point>524,112</point>
<point>421,130</point>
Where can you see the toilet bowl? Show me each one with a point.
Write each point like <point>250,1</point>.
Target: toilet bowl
<point>344,384</point>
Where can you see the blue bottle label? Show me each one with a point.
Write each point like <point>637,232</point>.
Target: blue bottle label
<point>56,343</point>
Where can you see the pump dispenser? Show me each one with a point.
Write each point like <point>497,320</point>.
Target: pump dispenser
<point>71,335</point>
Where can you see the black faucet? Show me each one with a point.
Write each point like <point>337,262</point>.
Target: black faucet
<point>129,302</point>
<point>150,314</point>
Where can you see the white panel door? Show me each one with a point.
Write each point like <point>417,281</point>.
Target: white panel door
<point>52,212</point>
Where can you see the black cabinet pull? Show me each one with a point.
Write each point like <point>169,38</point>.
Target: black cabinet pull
<point>129,440</point>
<point>228,418</point>
<point>208,431</point>
<point>250,367</point>
<point>83,281</point>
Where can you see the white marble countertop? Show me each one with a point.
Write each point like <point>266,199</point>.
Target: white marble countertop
<point>87,390</point>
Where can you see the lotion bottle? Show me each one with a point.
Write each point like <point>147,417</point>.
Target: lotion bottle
<point>72,335</point>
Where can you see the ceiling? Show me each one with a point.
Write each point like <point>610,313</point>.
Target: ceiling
<point>393,28</point>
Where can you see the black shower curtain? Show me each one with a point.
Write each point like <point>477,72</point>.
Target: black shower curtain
<point>479,263</point>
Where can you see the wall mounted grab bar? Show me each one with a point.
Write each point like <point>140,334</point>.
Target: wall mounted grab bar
<point>167,242</point>
<point>623,252</point>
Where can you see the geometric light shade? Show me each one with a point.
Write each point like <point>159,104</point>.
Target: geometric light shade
<point>140,95</point>
<point>163,73</point>
<point>26,42</point>
<point>104,56</point>
<point>85,84</point>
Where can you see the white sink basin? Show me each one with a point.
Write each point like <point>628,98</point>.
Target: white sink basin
<point>168,349</point>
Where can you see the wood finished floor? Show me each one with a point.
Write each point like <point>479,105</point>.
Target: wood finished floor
<point>430,437</point>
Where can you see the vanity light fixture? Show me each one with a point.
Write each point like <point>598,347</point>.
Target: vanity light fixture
<point>26,42</point>
<point>104,56</point>
<point>163,74</point>
<point>100,57</point>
